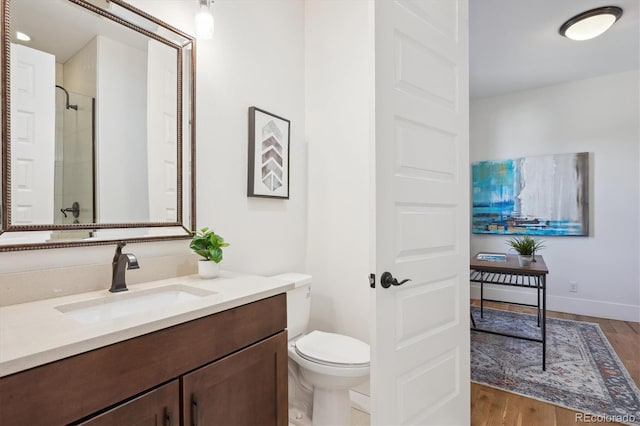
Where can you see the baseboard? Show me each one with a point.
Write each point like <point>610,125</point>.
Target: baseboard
<point>617,311</point>
<point>593,308</point>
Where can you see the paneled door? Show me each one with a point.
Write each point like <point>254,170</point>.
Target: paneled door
<point>32,135</point>
<point>248,387</point>
<point>420,336</point>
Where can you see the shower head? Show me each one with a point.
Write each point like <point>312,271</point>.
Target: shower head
<point>68,105</point>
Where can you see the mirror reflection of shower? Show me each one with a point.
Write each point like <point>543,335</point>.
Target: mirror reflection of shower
<point>74,157</point>
<point>68,105</point>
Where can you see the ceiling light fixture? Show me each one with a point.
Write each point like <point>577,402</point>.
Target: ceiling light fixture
<point>204,20</point>
<point>591,23</point>
<point>22,36</point>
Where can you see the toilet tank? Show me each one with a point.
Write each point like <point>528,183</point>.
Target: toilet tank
<point>298,302</point>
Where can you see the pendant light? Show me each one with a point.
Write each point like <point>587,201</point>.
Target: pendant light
<point>591,23</point>
<point>204,20</point>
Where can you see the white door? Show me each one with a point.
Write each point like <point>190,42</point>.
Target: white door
<point>32,135</point>
<point>420,336</point>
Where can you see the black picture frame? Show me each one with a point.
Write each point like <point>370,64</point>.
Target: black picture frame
<point>268,165</point>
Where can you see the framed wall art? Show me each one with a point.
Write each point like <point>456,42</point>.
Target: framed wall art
<point>269,137</point>
<point>542,195</point>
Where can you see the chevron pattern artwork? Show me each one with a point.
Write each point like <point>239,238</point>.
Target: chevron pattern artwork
<point>272,163</point>
<point>268,155</point>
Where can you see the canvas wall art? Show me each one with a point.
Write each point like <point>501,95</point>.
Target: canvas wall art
<point>542,195</point>
<point>268,155</point>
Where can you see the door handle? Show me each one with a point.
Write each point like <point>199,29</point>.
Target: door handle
<point>387,280</point>
<point>168,417</point>
<point>195,421</point>
<point>75,209</point>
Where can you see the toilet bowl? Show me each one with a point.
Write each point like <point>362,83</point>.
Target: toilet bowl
<point>329,363</point>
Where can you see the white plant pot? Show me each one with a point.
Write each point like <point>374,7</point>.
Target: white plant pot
<point>208,268</point>
<point>525,260</point>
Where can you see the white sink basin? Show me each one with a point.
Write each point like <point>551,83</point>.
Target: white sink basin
<point>123,304</point>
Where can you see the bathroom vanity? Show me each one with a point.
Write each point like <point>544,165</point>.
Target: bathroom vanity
<point>227,366</point>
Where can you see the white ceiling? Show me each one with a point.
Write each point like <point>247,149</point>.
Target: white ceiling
<point>63,28</point>
<point>515,45</point>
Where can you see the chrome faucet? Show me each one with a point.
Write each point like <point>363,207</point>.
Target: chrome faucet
<point>120,261</point>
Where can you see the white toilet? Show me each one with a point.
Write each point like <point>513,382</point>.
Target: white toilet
<point>329,364</point>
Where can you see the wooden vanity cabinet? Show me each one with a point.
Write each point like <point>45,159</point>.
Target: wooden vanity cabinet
<point>223,369</point>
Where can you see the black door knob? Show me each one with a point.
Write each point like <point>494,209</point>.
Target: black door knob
<point>387,280</point>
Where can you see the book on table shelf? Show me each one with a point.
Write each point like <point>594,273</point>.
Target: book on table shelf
<point>492,257</point>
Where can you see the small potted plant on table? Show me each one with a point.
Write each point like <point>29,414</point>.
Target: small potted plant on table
<point>526,248</point>
<point>208,244</point>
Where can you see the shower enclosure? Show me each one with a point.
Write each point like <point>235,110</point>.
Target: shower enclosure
<point>74,177</point>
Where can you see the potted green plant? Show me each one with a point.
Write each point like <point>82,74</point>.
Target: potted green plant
<point>526,248</point>
<point>208,244</point>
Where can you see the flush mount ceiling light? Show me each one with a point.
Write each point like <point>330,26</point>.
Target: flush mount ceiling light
<point>204,20</point>
<point>591,23</point>
<point>22,36</point>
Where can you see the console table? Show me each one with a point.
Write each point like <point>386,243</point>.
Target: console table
<point>510,273</point>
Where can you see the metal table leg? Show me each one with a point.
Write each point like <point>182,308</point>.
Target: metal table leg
<point>544,322</point>
<point>538,300</point>
<point>481,294</point>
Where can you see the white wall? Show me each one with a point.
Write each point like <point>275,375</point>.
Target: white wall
<point>601,116</point>
<point>255,58</point>
<point>121,122</point>
<point>80,70</point>
<point>338,74</point>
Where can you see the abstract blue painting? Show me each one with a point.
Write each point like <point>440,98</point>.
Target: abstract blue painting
<point>543,195</point>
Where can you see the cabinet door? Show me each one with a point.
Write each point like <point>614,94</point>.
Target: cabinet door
<point>248,387</point>
<point>160,407</point>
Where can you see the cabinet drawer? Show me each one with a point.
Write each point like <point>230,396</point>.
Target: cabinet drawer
<point>160,407</point>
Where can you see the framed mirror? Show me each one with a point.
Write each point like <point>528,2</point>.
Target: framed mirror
<point>98,119</point>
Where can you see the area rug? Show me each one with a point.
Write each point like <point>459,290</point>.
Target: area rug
<point>583,371</point>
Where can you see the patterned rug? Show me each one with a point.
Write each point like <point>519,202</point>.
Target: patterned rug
<point>583,371</point>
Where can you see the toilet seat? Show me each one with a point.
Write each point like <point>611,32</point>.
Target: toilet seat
<point>335,350</point>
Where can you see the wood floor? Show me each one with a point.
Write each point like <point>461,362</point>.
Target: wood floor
<point>491,406</point>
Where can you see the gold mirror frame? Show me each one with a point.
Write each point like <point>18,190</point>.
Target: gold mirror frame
<point>184,228</point>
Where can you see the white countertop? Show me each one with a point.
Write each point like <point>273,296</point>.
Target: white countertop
<point>36,333</point>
